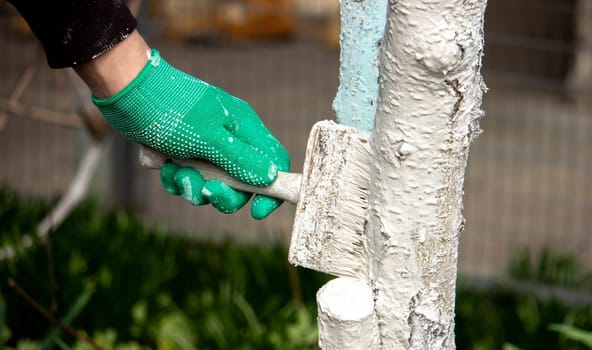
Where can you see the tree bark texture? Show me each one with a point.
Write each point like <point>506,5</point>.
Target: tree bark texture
<point>430,92</point>
<point>362,28</point>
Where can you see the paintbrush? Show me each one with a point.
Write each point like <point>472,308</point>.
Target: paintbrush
<point>331,197</point>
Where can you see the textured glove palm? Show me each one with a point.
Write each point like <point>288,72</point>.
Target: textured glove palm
<point>184,117</point>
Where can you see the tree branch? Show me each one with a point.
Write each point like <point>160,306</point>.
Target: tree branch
<point>51,318</point>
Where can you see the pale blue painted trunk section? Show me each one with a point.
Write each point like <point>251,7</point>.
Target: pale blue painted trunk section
<point>362,29</point>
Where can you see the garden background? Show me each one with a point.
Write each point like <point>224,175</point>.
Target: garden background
<point>133,265</point>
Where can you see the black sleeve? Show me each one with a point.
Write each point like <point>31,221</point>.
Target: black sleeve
<point>76,31</point>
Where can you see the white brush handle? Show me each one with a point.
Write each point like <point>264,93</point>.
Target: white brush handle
<point>286,186</point>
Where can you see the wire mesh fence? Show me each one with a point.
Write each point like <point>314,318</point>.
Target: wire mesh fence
<point>528,181</point>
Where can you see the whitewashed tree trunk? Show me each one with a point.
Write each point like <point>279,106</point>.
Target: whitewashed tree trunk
<point>428,113</point>
<point>362,28</point>
<point>346,315</point>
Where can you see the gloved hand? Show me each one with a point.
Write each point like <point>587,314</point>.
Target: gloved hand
<point>184,117</point>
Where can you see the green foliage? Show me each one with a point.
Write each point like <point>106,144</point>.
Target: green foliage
<point>508,346</point>
<point>3,335</point>
<point>549,267</point>
<point>134,288</point>
<point>507,319</point>
<point>489,320</point>
<point>74,311</point>
<point>151,289</point>
<point>574,333</point>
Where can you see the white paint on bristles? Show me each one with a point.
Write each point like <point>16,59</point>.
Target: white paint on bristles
<point>328,231</point>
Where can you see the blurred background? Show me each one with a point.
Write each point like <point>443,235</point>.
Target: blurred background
<point>528,186</point>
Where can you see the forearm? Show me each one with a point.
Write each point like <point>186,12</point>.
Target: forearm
<point>76,31</point>
<point>109,73</point>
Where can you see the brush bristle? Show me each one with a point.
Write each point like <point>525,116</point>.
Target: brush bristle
<point>329,227</point>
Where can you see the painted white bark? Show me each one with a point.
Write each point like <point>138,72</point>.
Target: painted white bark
<point>362,28</point>
<point>428,113</point>
<point>346,315</point>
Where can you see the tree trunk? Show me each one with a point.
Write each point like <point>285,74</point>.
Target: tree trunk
<point>362,28</point>
<point>346,315</point>
<point>428,114</point>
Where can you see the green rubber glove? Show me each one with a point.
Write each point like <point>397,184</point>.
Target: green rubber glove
<point>184,117</point>
<point>188,182</point>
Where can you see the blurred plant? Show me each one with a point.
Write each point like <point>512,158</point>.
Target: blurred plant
<point>3,332</point>
<point>549,267</point>
<point>514,318</point>
<point>174,331</point>
<point>106,339</point>
<point>573,333</point>
<point>151,289</point>
<point>508,346</point>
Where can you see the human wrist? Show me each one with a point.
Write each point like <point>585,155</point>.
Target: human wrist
<point>156,90</point>
<point>111,72</point>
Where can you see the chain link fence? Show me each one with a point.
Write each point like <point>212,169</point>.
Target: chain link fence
<point>528,183</point>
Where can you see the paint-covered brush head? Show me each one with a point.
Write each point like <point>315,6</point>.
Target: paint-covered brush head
<point>331,197</point>
<point>328,233</point>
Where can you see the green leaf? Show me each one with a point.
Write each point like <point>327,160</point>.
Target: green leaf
<point>249,314</point>
<point>175,332</point>
<point>62,345</point>
<point>26,344</point>
<point>74,311</point>
<point>573,333</point>
<point>508,346</point>
<point>2,321</point>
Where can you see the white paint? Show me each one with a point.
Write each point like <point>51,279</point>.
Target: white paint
<point>330,217</point>
<point>187,188</point>
<point>353,299</point>
<point>428,112</point>
<point>155,60</point>
<point>362,27</point>
<point>346,315</point>
<point>272,171</point>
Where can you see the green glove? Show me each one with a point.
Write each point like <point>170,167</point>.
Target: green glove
<point>184,117</point>
<point>189,183</point>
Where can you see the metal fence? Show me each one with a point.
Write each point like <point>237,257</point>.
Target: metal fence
<point>528,181</point>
